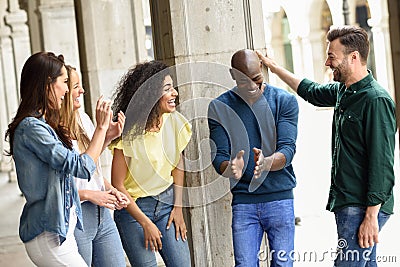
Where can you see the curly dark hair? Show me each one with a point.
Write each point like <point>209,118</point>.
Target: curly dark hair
<point>138,94</point>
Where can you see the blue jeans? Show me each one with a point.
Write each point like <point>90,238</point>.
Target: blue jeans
<point>99,243</point>
<point>250,221</point>
<point>157,208</point>
<point>350,254</point>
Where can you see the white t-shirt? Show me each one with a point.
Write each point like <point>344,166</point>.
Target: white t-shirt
<point>96,183</point>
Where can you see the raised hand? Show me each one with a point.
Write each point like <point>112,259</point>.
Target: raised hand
<point>103,113</point>
<point>115,128</point>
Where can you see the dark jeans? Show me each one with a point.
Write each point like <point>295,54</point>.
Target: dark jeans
<point>350,254</point>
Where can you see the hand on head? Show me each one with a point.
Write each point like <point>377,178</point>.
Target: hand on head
<point>267,61</point>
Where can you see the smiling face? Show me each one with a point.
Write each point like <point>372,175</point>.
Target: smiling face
<point>169,95</point>
<point>60,87</point>
<point>246,71</point>
<point>76,89</point>
<point>338,61</point>
<point>250,83</point>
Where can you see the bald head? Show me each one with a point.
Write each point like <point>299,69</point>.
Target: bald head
<point>245,61</point>
<point>246,71</point>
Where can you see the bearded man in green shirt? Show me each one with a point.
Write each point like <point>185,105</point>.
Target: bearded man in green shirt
<point>363,141</point>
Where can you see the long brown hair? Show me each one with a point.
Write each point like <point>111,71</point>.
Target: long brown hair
<point>70,118</point>
<point>39,72</point>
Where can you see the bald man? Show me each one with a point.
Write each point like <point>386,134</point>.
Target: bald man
<point>254,128</point>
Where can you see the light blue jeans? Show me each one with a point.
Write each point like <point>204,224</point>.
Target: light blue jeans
<point>250,221</point>
<point>157,208</point>
<point>350,254</point>
<point>99,243</point>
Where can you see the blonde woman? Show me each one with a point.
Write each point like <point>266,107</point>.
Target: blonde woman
<point>99,242</point>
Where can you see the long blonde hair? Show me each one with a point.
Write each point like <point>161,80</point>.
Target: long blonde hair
<point>71,119</point>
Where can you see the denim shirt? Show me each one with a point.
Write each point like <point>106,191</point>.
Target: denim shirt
<point>45,170</point>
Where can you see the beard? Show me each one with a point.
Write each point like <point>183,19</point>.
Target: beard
<point>341,72</point>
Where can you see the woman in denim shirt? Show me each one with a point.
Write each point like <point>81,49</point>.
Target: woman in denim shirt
<point>46,163</point>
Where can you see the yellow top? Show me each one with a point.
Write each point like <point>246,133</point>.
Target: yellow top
<point>151,157</point>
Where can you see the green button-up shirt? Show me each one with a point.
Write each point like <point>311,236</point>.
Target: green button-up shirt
<point>363,141</point>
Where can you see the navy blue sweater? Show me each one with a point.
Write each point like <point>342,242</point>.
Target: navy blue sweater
<point>270,124</point>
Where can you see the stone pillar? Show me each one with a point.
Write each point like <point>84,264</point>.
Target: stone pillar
<point>297,52</point>
<point>58,29</point>
<point>108,43</point>
<point>8,91</point>
<point>316,41</point>
<point>383,57</point>
<point>16,19</point>
<point>188,34</point>
<point>111,37</point>
<point>14,47</point>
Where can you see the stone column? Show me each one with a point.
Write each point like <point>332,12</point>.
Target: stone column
<point>8,91</point>
<point>58,29</point>
<point>15,48</point>
<point>383,57</point>
<point>200,37</point>
<point>17,19</point>
<point>111,38</point>
<point>316,40</point>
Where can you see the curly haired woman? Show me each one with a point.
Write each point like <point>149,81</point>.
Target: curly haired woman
<point>148,167</point>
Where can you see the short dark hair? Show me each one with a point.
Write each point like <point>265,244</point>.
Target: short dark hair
<point>353,38</point>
